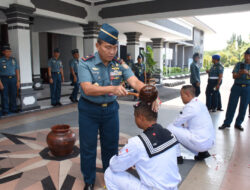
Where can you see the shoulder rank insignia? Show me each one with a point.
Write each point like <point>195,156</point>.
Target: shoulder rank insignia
<point>118,60</point>
<point>87,57</point>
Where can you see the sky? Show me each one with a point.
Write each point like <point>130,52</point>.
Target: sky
<point>225,25</point>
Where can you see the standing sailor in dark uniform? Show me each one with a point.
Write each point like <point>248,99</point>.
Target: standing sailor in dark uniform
<point>56,77</point>
<point>240,89</point>
<point>195,74</point>
<point>130,61</point>
<point>74,72</point>
<point>9,81</point>
<point>100,77</point>
<point>215,75</point>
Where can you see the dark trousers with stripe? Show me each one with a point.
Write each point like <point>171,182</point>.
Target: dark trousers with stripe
<point>212,95</point>
<point>94,118</point>
<point>242,93</point>
<point>55,88</point>
<point>9,94</point>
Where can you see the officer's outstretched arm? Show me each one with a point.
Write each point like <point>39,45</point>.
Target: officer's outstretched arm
<point>94,90</point>
<point>135,83</point>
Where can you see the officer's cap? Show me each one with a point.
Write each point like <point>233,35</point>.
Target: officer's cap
<point>247,51</point>
<point>74,51</point>
<point>56,50</point>
<point>216,57</point>
<point>108,34</point>
<point>6,48</point>
<point>139,57</point>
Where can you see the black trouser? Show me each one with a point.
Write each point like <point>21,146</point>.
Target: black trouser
<point>197,89</point>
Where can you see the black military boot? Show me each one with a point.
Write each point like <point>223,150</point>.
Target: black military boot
<point>239,127</point>
<point>180,160</point>
<point>202,155</point>
<point>224,126</point>
<point>89,187</point>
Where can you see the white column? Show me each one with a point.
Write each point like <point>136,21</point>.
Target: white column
<point>20,41</point>
<point>37,81</point>
<point>180,60</point>
<point>158,55</point>
<point>133,44</point>
<point>91,31</point>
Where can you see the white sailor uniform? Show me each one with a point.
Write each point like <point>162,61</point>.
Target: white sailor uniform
<point>193,128</point>
<point>153,153</point>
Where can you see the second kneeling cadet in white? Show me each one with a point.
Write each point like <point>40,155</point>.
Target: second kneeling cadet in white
<point>159,172</point>
<point>193,127</point>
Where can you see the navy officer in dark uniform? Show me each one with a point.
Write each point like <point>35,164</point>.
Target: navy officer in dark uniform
<point>240,89</point>
<point>56,77</point>
<point>74,72</point>
<point>9,81</point>
<point>215,75</point>
<point>100,77</point>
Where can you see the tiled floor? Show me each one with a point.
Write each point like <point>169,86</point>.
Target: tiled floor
<point>23,146</point>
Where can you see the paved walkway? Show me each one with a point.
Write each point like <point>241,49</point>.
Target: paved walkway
<point>25,162</point>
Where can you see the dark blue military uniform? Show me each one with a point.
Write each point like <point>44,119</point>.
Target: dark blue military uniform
<point>55,87</point>
<point>74,65</point>
<point>211,92</point>
<point>8,69</point>
<point>195,77</point>
<point>139,70</point>
<point>240,89</point>
<point>99,113</point>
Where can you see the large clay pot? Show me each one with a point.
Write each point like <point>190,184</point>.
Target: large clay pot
<point>61,140</point>
<point>148,94</point>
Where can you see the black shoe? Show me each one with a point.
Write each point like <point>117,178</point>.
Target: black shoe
<point>220,109</point>
<point>224,126</point>
<point>213,110</point>
<point>59,104</point>
<point>202,155</point>
<point>71,99</point>
<point>53,105</point>
<point>239,127</point>
<point>180,160</point>
<point>76,100</point>
<point>89,187</point>
<point>14,111</point>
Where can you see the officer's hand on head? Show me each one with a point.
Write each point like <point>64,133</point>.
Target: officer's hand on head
<point>51,81</point>
<point>1,86</point>
<point>156,105</point>
<point>119,91</point>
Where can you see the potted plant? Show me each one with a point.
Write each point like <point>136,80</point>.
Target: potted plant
<point>150,63</point>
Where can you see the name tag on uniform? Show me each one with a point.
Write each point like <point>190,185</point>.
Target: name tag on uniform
<point>95,69</point>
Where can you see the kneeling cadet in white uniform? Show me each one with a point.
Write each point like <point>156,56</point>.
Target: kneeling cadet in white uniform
<point>152,153</point>
<point>193,128</point>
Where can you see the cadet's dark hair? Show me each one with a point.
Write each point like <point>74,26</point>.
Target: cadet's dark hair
<point>145,109</point>
<point>189,88</point>
<point>196,55</point>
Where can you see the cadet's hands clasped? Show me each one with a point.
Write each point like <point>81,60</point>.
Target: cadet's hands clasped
<point>119,91</point>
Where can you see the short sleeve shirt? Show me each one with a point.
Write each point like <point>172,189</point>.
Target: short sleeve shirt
<point>94,71</point>
<point>244,79</point>
<point>216,70</point>
<point>8,67</point>
<point>74,64</point>
<point>55,64</point>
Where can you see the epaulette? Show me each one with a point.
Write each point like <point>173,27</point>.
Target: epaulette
<point>88,57</point>
<point>118,60</point>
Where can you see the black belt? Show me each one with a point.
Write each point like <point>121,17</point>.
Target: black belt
<point>98,104</point>
<point>56,72</point>
<point>242,85</point>
<point>9,77</point>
